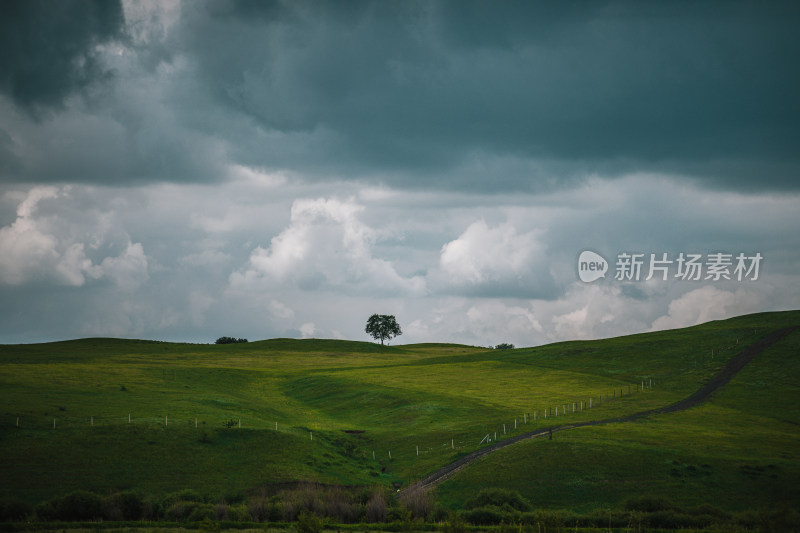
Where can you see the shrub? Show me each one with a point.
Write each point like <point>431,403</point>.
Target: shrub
<point>708,510</point>
<point>486,516</point>
<point>440,514</point>
<point>454,524</point>
<point>778,520</point>
<point>308,523</point>
<point>229,340</point>
<point>747,518</point>
<point>180,511</point>
<point>221,511</point>
<point>376,509</point>
<point>504,346</point>
<point>46,510</point>
<point>670,519</point>
<point>549,519</point>
<point>706,515</point>
<point>257,508</point>
<point>15,510</point>
<point>128,505</point>
<point>186,495</point>
<point>498,498</point>
<point>80,505</point>
<point>238,513</point>
<point>152,509</point>
<point>417,500</point>
<point>202,512</point>
<point>648,504</point>
<point>398,514</point>
<point>510,527</point>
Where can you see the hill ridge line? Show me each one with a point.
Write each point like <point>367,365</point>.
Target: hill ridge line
<point>733,367</point>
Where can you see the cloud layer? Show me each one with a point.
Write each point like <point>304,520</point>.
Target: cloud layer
<point>436,95</point>
<point>184,170</point>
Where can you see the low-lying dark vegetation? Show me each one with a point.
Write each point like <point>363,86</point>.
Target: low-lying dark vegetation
<point>229,340</point>
<point>311,506</point>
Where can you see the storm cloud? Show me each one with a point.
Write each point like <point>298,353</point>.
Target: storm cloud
<point>256,169</point>
<point>48,50</point>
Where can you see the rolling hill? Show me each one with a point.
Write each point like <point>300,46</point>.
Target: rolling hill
<point>110,415</point>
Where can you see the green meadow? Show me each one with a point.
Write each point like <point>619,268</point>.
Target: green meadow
<point>109,415</point>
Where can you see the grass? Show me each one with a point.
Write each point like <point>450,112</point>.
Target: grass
<point>425,404</point>
<point>737,451</point>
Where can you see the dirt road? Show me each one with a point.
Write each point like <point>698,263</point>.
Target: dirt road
<point>723,377</point>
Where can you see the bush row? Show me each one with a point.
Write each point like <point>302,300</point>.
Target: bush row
<point>309,504</point>
<point>507,508</point>
<point>333,503</point>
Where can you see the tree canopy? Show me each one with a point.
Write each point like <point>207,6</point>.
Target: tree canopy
<point>383,327</point>
<point>229,340</point>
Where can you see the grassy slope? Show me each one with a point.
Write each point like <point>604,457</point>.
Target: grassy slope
<point>737,451</point>
<point>440,398</point>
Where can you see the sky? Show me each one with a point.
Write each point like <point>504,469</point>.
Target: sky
<point>486,172</point>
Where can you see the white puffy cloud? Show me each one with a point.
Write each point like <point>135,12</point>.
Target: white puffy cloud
<point>452,268</point>
<point>595,311</point>
<point>127,270</point>
<point>708,303</point>
<point>46,247</point>
<point>496,261</point>
<point>325,247</point>
<point>307,330</point>
<point>24,247</point>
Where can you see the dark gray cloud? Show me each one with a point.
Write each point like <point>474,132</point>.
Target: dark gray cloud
<point>251,169</point>
<point>439,95</point>
<point>47,49</point>
<point>415,91</point>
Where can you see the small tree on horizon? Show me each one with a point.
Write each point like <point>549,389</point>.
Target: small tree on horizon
<point>229,340</point>
<point>383,327</point>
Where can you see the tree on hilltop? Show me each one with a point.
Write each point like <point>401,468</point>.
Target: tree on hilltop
<point>383,327</point>
<point>229,340</point>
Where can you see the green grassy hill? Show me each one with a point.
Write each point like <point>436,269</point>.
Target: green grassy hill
<point>343,407</point>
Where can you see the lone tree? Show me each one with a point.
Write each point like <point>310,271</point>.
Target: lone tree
<point>229,340</point>
<point>383,327</point>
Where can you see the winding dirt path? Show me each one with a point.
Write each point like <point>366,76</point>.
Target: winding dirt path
<point>722,378</point>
